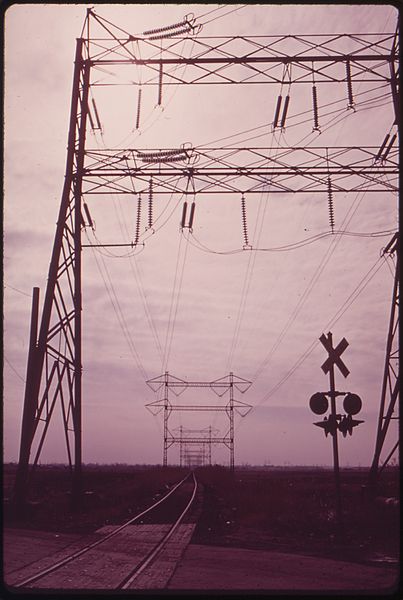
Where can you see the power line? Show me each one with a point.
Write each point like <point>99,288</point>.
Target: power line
<point>225,14</point>
<point>16,290</point>
<point>290,247</point>
<point>13,369</point>
<point>119,314</point>
<point>339,313</point>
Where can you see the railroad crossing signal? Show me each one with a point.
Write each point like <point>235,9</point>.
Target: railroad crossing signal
<point>334,422</point>
<point>334,354</point>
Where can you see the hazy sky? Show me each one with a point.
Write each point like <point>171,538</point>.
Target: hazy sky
<point>254,313</point>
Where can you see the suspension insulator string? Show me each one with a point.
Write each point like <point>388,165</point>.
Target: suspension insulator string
<point>96,115</point>
<point>167,28</point>
<point>315,109</point>
<point>388,149</point>
<point>183,222</point>
<point>285,109</point>
<point>277,113</point>
<point>91,119</point>
<point>349,85</point>
<point>89,219</point>
<point>136,239</point>
<point>138,109</point>
<point>192,215</point>
<point>330,203</point>
<point>385,141</point>
<point>244,223</point>
<point>160,86</point>
<point>150,203</point>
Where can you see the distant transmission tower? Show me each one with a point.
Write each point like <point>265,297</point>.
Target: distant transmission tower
<point>54,372</point>
<point>220,386</point>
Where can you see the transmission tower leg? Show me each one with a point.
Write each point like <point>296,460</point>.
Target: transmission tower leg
<point>231,422</point>
<point>209,447</point>
<point>390,383</point>
<point>28,418</point>
<point>59,371</point>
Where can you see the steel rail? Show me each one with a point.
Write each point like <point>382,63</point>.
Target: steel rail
<point>75,555</point>
<point>128,580</point>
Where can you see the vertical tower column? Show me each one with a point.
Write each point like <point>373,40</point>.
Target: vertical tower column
<point>231,421</point>
<point>57,373</point>
<point>166,415</point>
<point>390,382</point>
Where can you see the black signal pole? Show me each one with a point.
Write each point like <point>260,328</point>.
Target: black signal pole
<point>333,417</point>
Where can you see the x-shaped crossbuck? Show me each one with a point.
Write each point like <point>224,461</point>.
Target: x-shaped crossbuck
<point>334,354</point>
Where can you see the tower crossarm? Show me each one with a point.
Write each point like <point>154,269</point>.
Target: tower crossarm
<point>244,170</point>
<point>242,59</point>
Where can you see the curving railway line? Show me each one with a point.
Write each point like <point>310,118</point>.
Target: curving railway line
<point>123,555</point>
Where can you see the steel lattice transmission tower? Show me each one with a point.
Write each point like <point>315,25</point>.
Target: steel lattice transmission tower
<point>54,372</point>
<point>391,380</point>
<point>221,386</point>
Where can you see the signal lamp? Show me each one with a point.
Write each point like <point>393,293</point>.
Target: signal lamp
<point>319,403</point>
<point>352,404</point>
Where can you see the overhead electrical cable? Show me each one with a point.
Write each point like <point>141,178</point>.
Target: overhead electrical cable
<point>174,304</point>
<point>305,112</point>
<point>106,278</point>
<point>223,15</point>
<point>308,289</point>
<point>14,369</point>
<point>290,247</point>
<point>368,277</point>
<point>16,290</point>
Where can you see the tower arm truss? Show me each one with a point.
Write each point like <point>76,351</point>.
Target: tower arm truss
<point>246,59</point>
<point>224,170</point>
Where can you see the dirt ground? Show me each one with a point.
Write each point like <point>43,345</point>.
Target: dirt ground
<point>267,518</point>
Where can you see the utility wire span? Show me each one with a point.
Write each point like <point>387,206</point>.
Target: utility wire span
<point>16,290</point>
<point>119,314</point>
<point>224,15</point>
<point>303,298</point>
<point>175,297</point>
<point>339,313</point>
<point>14,369</point>
<point>268,125</point>
<point>290,247</point>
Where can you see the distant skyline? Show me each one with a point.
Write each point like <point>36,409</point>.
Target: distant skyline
<point>198,304</point>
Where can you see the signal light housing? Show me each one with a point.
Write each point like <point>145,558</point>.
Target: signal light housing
<point>319,403</point>
<point>352,404</point>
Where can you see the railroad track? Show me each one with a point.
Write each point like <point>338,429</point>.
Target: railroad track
<point>120,557</point>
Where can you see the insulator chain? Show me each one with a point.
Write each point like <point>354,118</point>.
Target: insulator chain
<point>330,203</point>
<point>185,29</point>
<point>349,86</point>
<point>385,149</point>
<point>160,86</point>
<point>150,204</point>
<point>89,219</point>
<point>191,217</point>
<point>161,154</point>
<point>167,28</point>
<point>138,109</point>
<point>98,120</point>
<point>315,109</point>
<point>244,223</point>
<point>277,113</point>
<point>136,238</point>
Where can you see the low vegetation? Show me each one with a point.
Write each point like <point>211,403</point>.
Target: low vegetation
<point>270,508</point>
